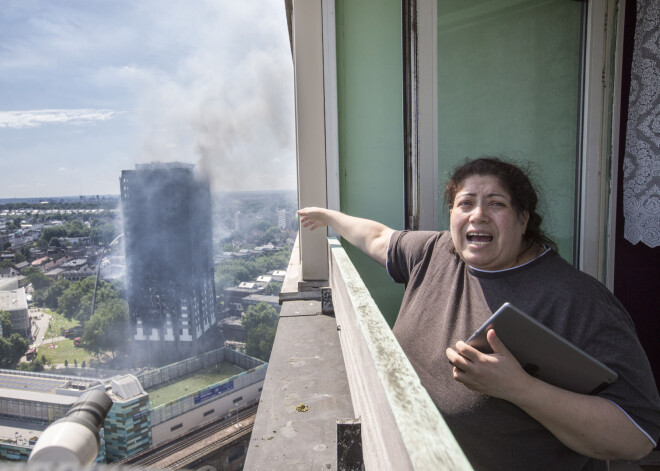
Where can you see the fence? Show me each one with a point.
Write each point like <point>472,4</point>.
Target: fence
<point>255,372</point>
<point>151,378</point>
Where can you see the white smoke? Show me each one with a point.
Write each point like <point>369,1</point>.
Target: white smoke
<point>227,105</point>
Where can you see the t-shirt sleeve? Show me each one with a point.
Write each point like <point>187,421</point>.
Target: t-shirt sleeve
<point>405,250</point>
<point>635,392</point>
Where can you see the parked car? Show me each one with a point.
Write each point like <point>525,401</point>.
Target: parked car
<point>76,342</point>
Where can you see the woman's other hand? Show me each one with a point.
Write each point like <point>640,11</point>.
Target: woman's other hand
<point>497,374</point>
<point>590,425</point>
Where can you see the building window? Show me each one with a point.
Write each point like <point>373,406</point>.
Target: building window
<point>238,399</point>
<point>177,426</point>
<point>209,412</point>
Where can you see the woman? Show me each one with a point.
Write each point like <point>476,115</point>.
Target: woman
<point>495,252</point>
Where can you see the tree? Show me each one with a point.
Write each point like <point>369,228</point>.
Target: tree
<point>54,242</point>
<point>48,233</point>
<point>272,235</point>
<point>75,302</point>
<point>68,303</point>
<point>260,341</point>
<point>5,320</point>
<point>260,321</point>
<point>260,226</point>
<point>222,281</point>
<point>76,228</point>
<point>6,245</point>
<point>102,232</point>
<point>56,290</point>
<point>37,278</point>
<point>106,329</point>
<point>12,349</point>
<point>259,314</point>
<point>273,288</point>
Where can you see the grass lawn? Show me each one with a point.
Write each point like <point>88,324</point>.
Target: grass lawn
<point>64,351</point>
<point>58,323</point>
<point>172,390</point>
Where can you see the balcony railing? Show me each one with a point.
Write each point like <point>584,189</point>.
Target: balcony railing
<point>358,368</point>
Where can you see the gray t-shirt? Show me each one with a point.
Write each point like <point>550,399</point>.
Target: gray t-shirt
<point>446,301</point>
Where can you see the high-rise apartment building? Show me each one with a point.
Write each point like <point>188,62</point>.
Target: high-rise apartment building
<point>169,260</point>
<point>283,219</point>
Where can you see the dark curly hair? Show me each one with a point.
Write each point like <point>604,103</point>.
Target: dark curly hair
<point>515,181</point>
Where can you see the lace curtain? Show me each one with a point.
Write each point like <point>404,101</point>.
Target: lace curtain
<point>641,164</point>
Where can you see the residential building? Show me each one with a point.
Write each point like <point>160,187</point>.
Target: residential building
<point>15,302</point>
<point>169,260</point>
<point>283,219</point>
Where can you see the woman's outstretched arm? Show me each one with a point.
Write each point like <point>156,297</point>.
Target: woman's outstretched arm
<point>369,236</point>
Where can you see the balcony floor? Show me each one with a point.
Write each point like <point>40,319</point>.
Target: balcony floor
<point>306,368</point>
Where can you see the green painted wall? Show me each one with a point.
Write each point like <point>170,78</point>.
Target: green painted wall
<point>369,88</point>
<point>508,78</point>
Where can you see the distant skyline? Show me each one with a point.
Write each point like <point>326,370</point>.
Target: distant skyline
<point>88,89</point>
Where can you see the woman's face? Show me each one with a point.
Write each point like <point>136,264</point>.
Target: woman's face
<point>485,228</point>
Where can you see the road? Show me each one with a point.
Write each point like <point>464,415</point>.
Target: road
<point>39,321</point>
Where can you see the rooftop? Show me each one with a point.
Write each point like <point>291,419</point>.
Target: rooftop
<point>13,300</point>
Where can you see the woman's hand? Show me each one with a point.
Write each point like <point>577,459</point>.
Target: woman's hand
<point>313,217</point>
<point>369,236</point>
<point>498,374</point>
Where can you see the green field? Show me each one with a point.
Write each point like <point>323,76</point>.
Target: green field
<point>64,351</point>
<point>58,323</point>
<point>164,393</point>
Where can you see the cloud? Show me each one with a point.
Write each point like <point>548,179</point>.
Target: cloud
<point>34,118</point>
<point>207,82</point>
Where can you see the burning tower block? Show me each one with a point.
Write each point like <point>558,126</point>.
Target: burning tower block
<point>169,260</point>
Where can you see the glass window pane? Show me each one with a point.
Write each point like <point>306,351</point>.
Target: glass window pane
<point>508,85</point>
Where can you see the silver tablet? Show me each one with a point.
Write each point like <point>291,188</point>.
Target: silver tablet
<point>543,353</point>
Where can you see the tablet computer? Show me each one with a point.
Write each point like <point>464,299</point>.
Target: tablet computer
<point>544,353</point>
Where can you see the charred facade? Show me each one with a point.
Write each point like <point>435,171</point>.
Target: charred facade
<point>169,260</point>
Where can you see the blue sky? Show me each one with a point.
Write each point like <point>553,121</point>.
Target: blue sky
<point>89,88</point>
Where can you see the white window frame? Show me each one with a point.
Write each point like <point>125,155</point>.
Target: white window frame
<point>597,200</point>
<point>600,142</point>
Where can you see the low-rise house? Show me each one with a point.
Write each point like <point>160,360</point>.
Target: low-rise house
<point>39,262</point>
<point>278,275</point>
<point>54,273</point>
<point>79,274</point>
<point>21,266</point>
<point>8,272</point>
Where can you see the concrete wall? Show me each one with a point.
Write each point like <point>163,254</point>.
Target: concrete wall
<point>214,409</point>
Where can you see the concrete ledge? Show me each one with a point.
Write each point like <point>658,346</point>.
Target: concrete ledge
<point>401,426</point>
